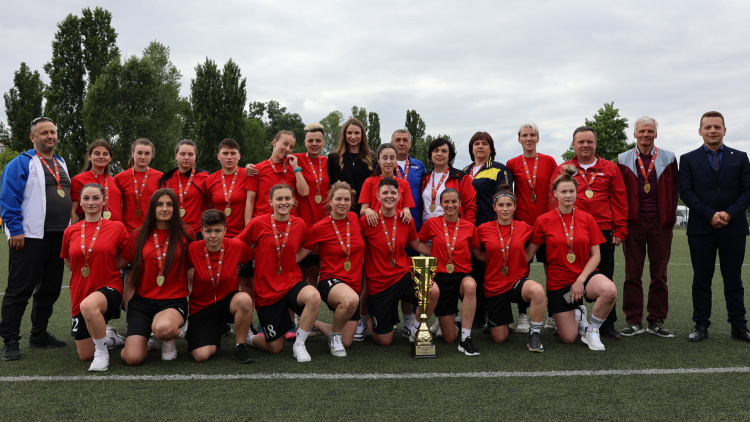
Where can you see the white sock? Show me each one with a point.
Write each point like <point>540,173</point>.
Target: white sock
<point>465,332</point>
<point>594,323</point>
<point>301,336</point>
<point>100,344</point>
<point>578,314</point>
<point>363,319</point>
<point>536,327</point>
<point>250,337</point>
<point>408,320</point>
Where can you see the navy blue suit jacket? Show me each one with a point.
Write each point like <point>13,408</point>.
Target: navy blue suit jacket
<point>707,193</point>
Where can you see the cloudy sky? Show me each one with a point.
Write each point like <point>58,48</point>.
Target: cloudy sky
<point>464,66</point>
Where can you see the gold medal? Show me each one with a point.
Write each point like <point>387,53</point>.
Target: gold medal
<point>61,193</point>
<point>589,193</point>
<point>160,280</point>
<point>107,215</point>
<point>182,212</point>
<point>318,199</point>
<point>647,187</point>
<point>347,265</point>
<point>393,262</point>
<point>533,197</point>
<point>278,270</point>
<point>137,212</point>
<point>85,271</point>
<point>227,211</point>
<point>450,267</point>
<point>571,257</point>
<point>433,207</point>
<point>505,270</point>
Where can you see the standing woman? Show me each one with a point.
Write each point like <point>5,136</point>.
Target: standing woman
<point>573,238</point>
<point>486,175</point>
<point>279,287</point>
<point>506,279</point>
<point>188,183</point>
<point>452,240</point>
<point>338,240</point>
<point>137,184</point>
<point>352,162</point>
<point>368,197</point>
<point>441,154</point>
<point>90,249</point>
<point>156,296</point>
<point>98,158</point>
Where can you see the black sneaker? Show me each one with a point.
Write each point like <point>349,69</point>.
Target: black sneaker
<point>241,354</point>
<point>535,343</point>
<point>468,348</point>
<point>11,351</point>
<point>46,340</point>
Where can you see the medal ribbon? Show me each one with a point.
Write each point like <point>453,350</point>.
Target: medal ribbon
<point>276,235</point>
<point>531,178</point>
<point>392,241</point>
<point>650,165</point>
<point>160,256</point>
<point>214,280</point>
<point>138,192</point>
<point>283,167</point>
<point>588,182</point>
<point>434,189</point>
<point>87,252</point>
<point>406,168</point>
<point>190,181</point>
<point>315,172</point>
<point>505,249</point>
<point>568,231</point>
<point>56,174</point>
<point>472,175</point>
<point>106,189</point>
<point>228,194</point>
<point>348,246</point>
<point>451,245</point>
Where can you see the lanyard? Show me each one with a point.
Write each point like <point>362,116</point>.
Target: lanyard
<point>280,245</point>
<point>160,258</point>
<point>345,247</point>
<point>450,244</point>
<point>392,241</point>
<point>182,194</point>
<point>472,175</point>
<point>569,231</point>
<point>505,248</point>
<point>56,174</point>
<point>318,180</point>
<point>228,193</point>
<point>647,186</point>
<point>214,280</point>
<point>86,270</point>
<point>433,207</point>
<point>531,178</point>
<point>406,168</point>
<point>283,167</point>
<point>589,191</point>
<point>139,192</point>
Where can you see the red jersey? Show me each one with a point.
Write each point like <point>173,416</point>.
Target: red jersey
<point>270,287</point>
<point>193,199</point>
<point>526,209</point>
<point>549,230</point>
<point>113,196</point>
<point>380,275</point>
<point>215,193</point>
<point>369,194</point>
<point>495,282</point>
<point>467,238</point>
<point>268,176</point>
<point>175,282</point>
<point>308,210</point>
<point>332,257</point>
<point>111,241</point>
<point>130,202</point>
<point>205,293</point>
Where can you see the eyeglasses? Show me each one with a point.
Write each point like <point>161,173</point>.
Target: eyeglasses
<point>40,119</point>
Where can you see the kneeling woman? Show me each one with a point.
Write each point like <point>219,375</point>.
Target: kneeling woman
<point>338,240</point>
<point>388,270</point>
<point>278,280</point>
<point>452,240</point>
<point>573,238</point>
<point>507,271</point>
<point>156,298</point>
<point>215,299</point>
<point>90,249</point>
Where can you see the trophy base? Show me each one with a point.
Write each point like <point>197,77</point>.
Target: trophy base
<point>423,351</point>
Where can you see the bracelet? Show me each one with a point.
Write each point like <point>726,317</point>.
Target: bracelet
<point>298,169</point>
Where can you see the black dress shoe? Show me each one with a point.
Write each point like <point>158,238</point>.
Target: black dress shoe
<point>741,334</point>
<point>699,333</point>
<point>608,331</point>
<point>46,340</point>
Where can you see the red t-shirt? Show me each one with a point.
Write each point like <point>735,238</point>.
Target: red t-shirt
<point>332,257</point>
<point>114,197</point>
<point>495,282</point>
<point>549,230</point>
<point>270,287</point>
<point>467,238</point>
<point>205,293</point>
<point>526,210</point>
<point>378,271</point>
<point>369,194</point>
<point>175,284</point>
<point>111,241</point>
<point>267,178</point>
<point>194,200</point>
<point>308,210</point>
<point>215,192</point>
<point>130,203</point>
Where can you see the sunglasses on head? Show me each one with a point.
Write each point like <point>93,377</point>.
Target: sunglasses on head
<point>40,119</point>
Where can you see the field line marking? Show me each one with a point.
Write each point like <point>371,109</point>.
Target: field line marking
<point>377,376</point>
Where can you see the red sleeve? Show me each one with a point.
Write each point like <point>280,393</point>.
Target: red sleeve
<point>595,235</point>
<point>474,242</point>
<point>123,239</point>
<point>425,233</point>
<point>552,201</point>
<point>365,197</point>
<point>129,252</point>
<point>246,252</point>
<point>619,204</point>
<point>412,230</point>
<point>75,188</point>
<point>468,199</point>
<point>537,236</point>
<point>65,250</point>
<point>313,238</point>
<point>251,184</point>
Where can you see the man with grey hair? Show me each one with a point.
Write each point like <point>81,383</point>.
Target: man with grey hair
<point>410,169</point>
<point>651,182</point>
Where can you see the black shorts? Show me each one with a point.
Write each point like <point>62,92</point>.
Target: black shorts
<point>141,312</point>
<point>79,331</point>
<point>324,288</point>
<point>384,305</point>
<point>556,302</point>
<point>498,307</point>
<point>247,269</point>
<point>275,319</point>
<point>206,326</point>
<point>450,292</point>
<point>310,261</point>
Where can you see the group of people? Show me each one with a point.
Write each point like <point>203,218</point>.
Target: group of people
<point>191,249</point>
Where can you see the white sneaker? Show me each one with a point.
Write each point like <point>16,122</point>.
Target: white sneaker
<point>591,338</point>
<point>153,345</point>
<point>436,330</point>
<point>168,350</point>
<point>410,332</point>
<point>299,351</point>
<point>583,320</point>
<point>114,339</point>
<point>336,345</point>
<point>550,324</point>
<point>362,331</point>
<point>101,361</point>
<point>183,330</point>
<point>524,325</point>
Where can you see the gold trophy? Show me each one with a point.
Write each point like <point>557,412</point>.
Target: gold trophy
<point>423,270</point>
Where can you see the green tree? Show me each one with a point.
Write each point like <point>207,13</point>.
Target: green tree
<point>611,138</point>
<point>373,130</point>
<point>23,103</point>
<point>332,130</point>
<point>416,127</point>
<point>359,114</point>
<point>80,51</point>
<point>275,118</point>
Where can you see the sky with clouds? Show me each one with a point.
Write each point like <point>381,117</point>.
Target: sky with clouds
<point>463,66</point>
